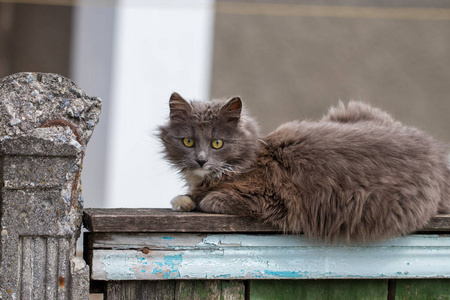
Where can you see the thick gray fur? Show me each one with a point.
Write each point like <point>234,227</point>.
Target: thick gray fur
<point>356,174</point>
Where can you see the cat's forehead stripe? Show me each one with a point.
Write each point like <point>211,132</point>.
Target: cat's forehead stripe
<point>205,112</point>
<point>205,116</point>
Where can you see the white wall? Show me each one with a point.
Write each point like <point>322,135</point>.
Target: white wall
<point>91,65</point>
<point>157,47</point>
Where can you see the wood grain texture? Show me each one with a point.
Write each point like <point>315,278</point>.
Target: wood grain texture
<point>149,290</point>
<point>318,289</point>
<point>175,290</point>
<point>198,290</point>
<point>439,223</point>
<point>166,220</point>
<point>422,289</point>
<point>232,290</point>
<point>209,290</point>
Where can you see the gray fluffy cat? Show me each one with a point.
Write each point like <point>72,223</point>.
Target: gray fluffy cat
<point>357,174</point>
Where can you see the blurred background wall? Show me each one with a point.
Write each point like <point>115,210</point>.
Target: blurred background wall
<point>288,59</point>
<point>293,60</point>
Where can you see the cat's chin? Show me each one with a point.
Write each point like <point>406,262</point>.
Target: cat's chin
<point>202,173</point>
<point>196,176</point>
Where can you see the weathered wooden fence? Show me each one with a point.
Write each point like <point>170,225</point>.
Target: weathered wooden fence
<point>46,122</point>
<point>160,254</point>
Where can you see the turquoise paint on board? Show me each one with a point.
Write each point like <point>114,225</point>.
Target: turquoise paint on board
<point>169,267</point>
<point>273,256</point>
<point>283,274</point>
<point>174,262</point>
<point>224,276</point>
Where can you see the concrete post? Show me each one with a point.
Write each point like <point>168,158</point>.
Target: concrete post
<point>46,122</point>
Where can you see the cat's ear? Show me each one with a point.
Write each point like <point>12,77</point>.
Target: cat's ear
<point>231,111</point>
<point>179,108</point>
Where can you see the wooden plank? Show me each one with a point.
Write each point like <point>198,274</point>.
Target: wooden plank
<point>149,290</point>
<point>422,289</point>
<point>183,241</point>
<point>439,223</point>
<point>166,220</point>
<point>318,289</point>
<point>198,290</point>
<point>232,290</point>
<point>238,256</point>
<point>179,290</point>
<point>209,290</point>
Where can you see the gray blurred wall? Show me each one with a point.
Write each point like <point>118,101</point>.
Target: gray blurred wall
<point>35,38</point>
<point>294,61</point>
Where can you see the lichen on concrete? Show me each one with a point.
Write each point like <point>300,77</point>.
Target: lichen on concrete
<point>46,122</point>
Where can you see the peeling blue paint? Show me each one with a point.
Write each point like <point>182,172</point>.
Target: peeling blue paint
<point>169,267</point>
<point>195,256</point>
<point>283,274</point>
<point>118,266</point>
<point>223,276</point>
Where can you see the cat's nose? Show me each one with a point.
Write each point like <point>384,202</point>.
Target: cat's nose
<point>200,162</point>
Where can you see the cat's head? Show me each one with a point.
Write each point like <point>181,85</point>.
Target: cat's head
<point>205,139</point>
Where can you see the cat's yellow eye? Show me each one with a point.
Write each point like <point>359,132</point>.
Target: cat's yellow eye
<point>217,144</point>
<point>188,142</point>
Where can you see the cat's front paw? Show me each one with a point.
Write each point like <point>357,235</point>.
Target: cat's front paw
<point>182,203</point>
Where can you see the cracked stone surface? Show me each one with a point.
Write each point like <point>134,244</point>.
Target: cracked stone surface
<point>28,100</point>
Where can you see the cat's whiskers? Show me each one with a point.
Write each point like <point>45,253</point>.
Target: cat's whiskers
<point>218,173</point>
<point>228,169</point>
<point>262,142</point>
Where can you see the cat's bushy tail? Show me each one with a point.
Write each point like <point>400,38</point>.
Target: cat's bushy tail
<point>444,206</point>
<point>358,112</point>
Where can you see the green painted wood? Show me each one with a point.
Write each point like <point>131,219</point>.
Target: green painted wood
<point>426,289</point>
<point>318,289</point>
<point>232,290</point>
<point>198,290</point>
